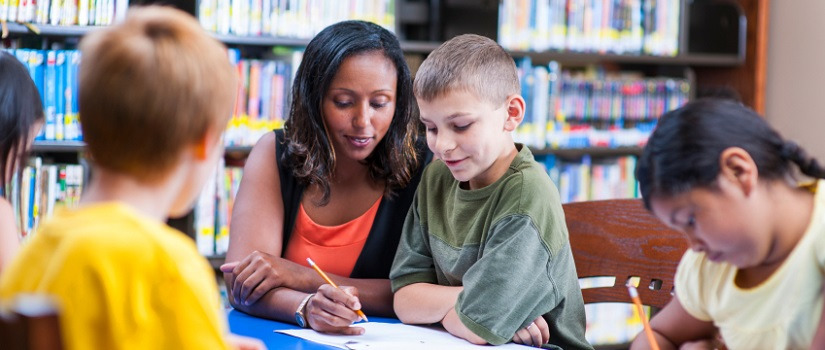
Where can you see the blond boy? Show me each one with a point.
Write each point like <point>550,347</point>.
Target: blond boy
<point>155,94</point>
<point>484,249</point>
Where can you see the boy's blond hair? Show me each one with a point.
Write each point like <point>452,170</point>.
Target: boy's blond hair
<point>150,86</point>
<point>471,63</point>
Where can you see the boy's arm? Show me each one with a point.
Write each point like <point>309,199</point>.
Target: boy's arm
<point>674,326</point>
<point>424,303</point>
<point>511,281</point>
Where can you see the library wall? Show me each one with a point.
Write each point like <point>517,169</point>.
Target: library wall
<point>795,97</point>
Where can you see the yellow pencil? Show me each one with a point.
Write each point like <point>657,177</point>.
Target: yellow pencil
<point>634,294</point>
<point>326,278</point>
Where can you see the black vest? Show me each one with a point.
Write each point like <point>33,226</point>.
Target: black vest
<point>378,253</point>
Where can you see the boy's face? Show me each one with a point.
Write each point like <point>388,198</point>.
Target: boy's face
<point>472,136</point>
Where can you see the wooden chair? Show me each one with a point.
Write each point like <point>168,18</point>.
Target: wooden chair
<point>620,238</point>
<point>30,323</point>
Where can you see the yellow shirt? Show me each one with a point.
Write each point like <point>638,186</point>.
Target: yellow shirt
<point>122,281</point>
<point>780,313</point>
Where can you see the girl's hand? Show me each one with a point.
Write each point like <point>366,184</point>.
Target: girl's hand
<point>535,334</point>
<point>331,310</point>
<point>257,274</point>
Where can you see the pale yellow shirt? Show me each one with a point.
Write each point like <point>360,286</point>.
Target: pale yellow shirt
<point>780,313</point>
<point>122,281</point>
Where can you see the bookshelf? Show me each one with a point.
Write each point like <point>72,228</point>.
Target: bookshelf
<point>422,25</point>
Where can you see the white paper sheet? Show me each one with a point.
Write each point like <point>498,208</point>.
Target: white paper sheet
<point>396,336</point>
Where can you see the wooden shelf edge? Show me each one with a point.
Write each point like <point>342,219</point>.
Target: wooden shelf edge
<point>58,146</point>
<point>243,151</point>
<point>599,152</point>
<point>711,60</point>
<point>264,40</point>
<point>50,30</point>
<point>216,260</point>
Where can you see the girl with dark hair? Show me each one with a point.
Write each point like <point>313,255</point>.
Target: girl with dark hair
<point>335,186</point>
<point>718,172</point>
<point>21,116</point>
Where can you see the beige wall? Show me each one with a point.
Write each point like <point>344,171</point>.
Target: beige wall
<point>795,91</point>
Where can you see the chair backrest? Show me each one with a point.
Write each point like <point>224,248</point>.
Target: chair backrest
<point>30,323</point>
<point>620,238</point>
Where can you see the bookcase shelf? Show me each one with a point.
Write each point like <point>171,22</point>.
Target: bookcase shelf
<point>407,46</point>
<point>599,152</point>
<point>58,146</point>
<point>260,40</point>
<point>50,30</point>
<point>240,152</point>
<point>216,261</point>
<point>78,146</point>
<point>579,58</point>
<point>424,47</point>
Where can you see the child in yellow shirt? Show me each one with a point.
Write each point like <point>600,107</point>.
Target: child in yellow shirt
<point>155,95</point>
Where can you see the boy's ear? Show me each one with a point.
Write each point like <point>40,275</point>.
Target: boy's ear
<point>737,166</point>
<point>515,112</point>
<point>205,145</point>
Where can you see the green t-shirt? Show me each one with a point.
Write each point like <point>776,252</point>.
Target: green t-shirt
<point>506,243</point>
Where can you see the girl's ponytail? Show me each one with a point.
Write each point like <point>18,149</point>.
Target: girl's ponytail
<point>807,164</point>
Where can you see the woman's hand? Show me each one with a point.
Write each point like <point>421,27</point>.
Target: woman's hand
<point>331,310</point>
<point>257,274</point>
<point>535,334</point>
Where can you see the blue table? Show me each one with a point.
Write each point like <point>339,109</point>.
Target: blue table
<point>263,329</point>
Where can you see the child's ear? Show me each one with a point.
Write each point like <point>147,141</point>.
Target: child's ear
<point>737,166</point>
<point>515,112</point>
<point>205,145</point>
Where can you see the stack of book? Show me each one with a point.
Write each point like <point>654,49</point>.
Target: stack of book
<point>290,18</point>
<point>606,26</point>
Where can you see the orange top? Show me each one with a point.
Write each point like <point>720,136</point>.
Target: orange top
<point>334,248</point>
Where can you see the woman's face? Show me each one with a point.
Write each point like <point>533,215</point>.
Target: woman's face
<point>359,105</point>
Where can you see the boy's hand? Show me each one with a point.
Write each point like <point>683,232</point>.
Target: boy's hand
<point>240,342</point>
<point>331,310</point>
<point>256,275</point>
<point>535,334</point>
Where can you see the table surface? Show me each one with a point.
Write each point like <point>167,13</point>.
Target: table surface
<point>263,329</point>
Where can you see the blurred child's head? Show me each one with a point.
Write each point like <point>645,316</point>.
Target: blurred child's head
<point>352,101</point>
<point>705,169</point>
<point>21,114</point>
<point>151,88</point>
<point>468,97</point>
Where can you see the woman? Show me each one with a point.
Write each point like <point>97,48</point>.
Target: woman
<point>335,186</point>
<point>21,117</point>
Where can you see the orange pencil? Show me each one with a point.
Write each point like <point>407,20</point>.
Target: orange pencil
<point>634,294</point>
<point>326,278</point>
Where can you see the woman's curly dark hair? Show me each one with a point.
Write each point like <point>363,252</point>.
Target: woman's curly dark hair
<point>20,110</point>
<point>308,150</point>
